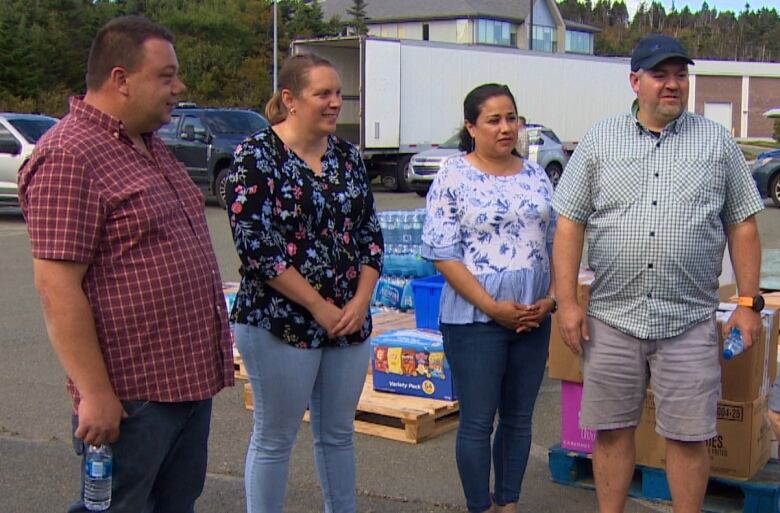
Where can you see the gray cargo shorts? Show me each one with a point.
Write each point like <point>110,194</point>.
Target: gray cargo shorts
<point>684,372</point>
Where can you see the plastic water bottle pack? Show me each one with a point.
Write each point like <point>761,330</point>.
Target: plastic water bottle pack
<point>402,231</point>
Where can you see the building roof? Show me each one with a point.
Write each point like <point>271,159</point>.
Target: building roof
<point>407,10</point>
<point>575,25</point>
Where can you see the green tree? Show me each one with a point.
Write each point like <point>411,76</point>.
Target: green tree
<point>358,20</point>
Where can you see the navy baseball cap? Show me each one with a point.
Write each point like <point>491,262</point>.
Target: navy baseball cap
<point>652,50</point>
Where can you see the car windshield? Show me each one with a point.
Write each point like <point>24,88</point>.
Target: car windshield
<point>235,122</point>
<point>451,143</point>
<point>32,129</point>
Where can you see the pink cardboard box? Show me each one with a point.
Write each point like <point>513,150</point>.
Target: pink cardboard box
<point>572,437</point>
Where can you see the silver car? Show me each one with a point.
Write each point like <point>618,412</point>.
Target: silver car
<point>18,135</point>
<point>544,148</point>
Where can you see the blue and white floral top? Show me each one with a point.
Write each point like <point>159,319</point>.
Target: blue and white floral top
<point>500,227</point>
<point>284,215</point>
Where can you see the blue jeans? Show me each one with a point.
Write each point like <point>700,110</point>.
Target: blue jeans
<point>494,369</point>
<point>159,458</point>
<point>285,379</point>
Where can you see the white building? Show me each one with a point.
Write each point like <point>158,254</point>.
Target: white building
<point>482,22</point>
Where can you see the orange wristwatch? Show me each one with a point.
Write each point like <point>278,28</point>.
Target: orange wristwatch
<point>755,303</point>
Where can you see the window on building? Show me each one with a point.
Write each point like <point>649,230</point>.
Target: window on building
<point>579,42</point>
<point>462,31</point>
<point>545,39</point>
<point>426,32</point>
<point>493,32</point>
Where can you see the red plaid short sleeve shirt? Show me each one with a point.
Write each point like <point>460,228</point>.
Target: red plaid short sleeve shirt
<point>89,196</point>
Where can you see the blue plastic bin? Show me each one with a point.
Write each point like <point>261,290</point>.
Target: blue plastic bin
<point>427,293</point>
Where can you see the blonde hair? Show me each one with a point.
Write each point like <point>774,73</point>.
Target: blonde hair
<point>294,76</point>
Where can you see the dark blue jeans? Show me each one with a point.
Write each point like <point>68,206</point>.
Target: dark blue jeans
<point>159,458</point>
<point>494,370</point>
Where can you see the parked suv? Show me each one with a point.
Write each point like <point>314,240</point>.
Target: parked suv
<point>203,139</point>
<point>544,148</point>
<point>18,135</point>
<point>766,173</point>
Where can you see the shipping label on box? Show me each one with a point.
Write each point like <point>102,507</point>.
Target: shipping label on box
<point>573,437</point>
<point>749,375</point>
<point>739,450</point>
<point>411,362</point>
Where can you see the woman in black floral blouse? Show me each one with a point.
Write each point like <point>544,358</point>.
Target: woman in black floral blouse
<point>304,225</point>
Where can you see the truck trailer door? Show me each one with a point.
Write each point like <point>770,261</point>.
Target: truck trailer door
<point>382,94</point>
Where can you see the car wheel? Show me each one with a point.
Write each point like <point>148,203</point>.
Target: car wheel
<point>554,172</point>
<point>403,174</point>
<point>774,189</point>
<point>220,187</point>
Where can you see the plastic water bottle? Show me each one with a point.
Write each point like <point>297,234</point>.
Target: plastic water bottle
<point>733,345</point>
<point>417,226</point>
<point>98,468</point>
<point>407,296</point>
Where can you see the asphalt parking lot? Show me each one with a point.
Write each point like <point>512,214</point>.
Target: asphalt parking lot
<point>39,472</point>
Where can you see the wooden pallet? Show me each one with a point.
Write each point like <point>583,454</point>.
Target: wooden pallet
<point>239,369</point>
<point>397,417</point>
<point>761,494</point>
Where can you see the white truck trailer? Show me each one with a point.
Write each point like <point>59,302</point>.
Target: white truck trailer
<point>403,96</point>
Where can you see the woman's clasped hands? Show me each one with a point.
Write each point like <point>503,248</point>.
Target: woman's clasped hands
<point>519,317</point>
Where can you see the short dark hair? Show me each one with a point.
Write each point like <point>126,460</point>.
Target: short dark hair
<point>120,43</point>
<point>472,106</point>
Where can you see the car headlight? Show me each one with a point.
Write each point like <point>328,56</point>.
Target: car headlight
<point>764,161</point>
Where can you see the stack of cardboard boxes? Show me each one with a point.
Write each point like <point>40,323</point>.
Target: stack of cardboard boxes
<point>743,444</point>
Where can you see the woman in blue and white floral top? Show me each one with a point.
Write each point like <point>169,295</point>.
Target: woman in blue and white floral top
<point>489,230</point>
<point>304,225</point>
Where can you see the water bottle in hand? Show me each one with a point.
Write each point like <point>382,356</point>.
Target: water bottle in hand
<point>98,467</point>
<point>733,345</point>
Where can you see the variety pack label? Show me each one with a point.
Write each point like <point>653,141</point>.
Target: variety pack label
<point>411,362</point>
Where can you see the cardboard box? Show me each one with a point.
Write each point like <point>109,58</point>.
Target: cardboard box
<point>740,449</point>
<point>771,299</point>
<point>573,437</point>
<point>727,291</point>
<point>411,362</point>
<point>562,363</point>
<point>391,320</point>
<point>749,375</point>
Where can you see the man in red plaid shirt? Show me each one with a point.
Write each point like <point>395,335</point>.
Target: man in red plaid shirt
<point>128,279</point>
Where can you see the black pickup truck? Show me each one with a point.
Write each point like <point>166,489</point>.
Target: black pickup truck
<point>203,139</point>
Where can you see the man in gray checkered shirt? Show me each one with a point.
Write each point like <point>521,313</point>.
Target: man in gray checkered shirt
<point>659,192</point>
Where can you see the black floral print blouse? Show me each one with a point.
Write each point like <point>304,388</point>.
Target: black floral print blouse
<point>284,215</point>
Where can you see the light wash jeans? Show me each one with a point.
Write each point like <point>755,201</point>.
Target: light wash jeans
<point>285,380</point>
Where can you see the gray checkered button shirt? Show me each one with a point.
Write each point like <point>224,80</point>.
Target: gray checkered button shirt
<point>656,208</point>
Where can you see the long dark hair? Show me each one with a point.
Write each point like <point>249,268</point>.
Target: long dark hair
<point>472,106</point>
